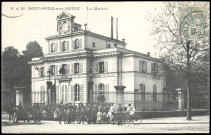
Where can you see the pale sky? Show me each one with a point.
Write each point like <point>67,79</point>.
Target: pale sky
<point>38,24</point>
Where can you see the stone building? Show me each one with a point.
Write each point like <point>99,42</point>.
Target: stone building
<point>84,64</point>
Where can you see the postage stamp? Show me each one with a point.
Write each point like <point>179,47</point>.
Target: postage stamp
<point>193,23</point>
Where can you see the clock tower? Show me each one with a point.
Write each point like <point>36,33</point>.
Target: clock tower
<point>65,22</point>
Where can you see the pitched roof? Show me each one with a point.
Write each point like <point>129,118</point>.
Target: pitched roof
<point>65,13</point>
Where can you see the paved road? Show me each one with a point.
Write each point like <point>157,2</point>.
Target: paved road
<point>199,124</point>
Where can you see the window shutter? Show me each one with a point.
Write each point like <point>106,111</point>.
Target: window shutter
<point>60,66</point>
<point>97,67</point>
<point>56,69</point>
<point>72,45</point>
<point>72,68</point>
<point>49,68</point>
<point>59,94</point>
<point>95,93</point>
<point>39,72</point>
<point>80,43</point>
<point>68,68</point>
<point>145,66</point>
<point>66,94</point>
<point>49,48</point>
<point>67,45</point>
<point>106,93</point>
<point>72,93</point>
<point>151,67</point>
<point>56,47</point>
<point>60,46</point>
<point>44,71</point>
<point>80,67</point>
<point>140,66</point>
<point>106,67</point>
<point>81,93</point>
<point>69,93</point>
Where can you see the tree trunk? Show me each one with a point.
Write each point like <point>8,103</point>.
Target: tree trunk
<point>188,84</point>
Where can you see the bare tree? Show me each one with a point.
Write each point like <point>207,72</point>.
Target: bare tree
<point>190,56</point>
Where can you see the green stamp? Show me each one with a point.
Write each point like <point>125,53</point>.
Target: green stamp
<point>193,23</point>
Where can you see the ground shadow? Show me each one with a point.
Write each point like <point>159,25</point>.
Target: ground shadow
<point>20,123</point>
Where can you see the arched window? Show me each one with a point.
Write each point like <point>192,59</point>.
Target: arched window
<point>77,92</point>
<point>76,44</point>
<point>155,93</point>
<point>142,88</point>
<point>102,88</point>
<point>53,47</point>
<point>64,46</point>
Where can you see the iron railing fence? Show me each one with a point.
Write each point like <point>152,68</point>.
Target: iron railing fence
<point>142,101</point>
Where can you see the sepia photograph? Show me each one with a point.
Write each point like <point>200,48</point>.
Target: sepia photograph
<point>105,67</point>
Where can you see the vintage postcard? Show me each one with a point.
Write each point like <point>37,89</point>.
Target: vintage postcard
<point>105,67</point>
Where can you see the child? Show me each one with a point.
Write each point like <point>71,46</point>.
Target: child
<point>99,116</point>
<point>55,115</point>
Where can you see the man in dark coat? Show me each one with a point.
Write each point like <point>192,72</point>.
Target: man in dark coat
<point>94,113</point>
<point>88,114</point>
<point>101,99</point>
<point>10,112</point>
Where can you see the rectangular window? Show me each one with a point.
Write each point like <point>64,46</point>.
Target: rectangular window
<point>52,69</point>
<point>101,67</point>
<point>76,68</point>
<point>53,48</point>
<point>154,68</point>
<point>144,66</point>
<point>93,44</point>
<point>42,71</point>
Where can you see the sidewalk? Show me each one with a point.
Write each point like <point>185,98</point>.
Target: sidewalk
<point>198,124</point>
<point>167,120</point>
<point>177,120</point>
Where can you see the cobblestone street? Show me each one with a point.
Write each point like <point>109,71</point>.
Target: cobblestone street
<point>199,124</point>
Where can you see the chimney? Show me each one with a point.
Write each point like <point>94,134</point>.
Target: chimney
<point>112,27</point>
<point>117,28</point>
<point>148,53</point>
<point>123,40</point>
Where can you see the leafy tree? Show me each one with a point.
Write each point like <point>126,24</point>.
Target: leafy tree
<point>10,66</point>
<point>190,57</point>
<point>33,49</point>
<point>15,68</point>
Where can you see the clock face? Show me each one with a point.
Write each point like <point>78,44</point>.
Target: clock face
<point>65,27</point>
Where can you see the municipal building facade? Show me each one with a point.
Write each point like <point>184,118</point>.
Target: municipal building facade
<point>83,65</point>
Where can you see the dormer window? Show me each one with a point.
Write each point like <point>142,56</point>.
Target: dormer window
<point>76,44</point>
<point>64,46</point>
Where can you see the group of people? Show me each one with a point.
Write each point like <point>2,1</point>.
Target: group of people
<point>69,113</point>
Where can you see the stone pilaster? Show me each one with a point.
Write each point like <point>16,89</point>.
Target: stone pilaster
<point>180,99</point>
<point>120,95</point>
